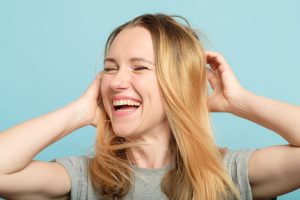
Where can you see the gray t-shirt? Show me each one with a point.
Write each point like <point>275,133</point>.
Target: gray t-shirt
<point>147,181</point>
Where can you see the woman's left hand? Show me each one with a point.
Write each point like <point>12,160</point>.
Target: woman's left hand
<point>226,88</point>
<point>229,96</point>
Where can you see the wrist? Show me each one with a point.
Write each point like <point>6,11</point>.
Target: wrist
<point>241,105</point>
<point>77,114</point>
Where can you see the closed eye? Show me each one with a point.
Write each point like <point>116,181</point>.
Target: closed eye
<point>140,68</point>
<point>110,69</point>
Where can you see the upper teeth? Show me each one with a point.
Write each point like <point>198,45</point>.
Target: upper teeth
<point>125,102</point>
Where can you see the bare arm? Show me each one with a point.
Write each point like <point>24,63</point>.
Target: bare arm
<point>19,174</point>
<point>19,144</point>
<point>273,171</point>
<point>278,166</point>
<point>278,116</point>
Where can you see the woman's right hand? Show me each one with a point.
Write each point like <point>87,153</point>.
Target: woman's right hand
<point>18,171</point>
<point>87,105</point>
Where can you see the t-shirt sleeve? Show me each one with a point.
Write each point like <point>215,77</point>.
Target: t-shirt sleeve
<point>77,171</point>
<point>237,168</point>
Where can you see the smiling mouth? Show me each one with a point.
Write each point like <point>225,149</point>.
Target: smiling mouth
<point>126,105</point>
<point>125,108</point>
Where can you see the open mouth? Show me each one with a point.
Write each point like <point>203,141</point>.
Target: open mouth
<point>125,108</point>
<point>126,105</point>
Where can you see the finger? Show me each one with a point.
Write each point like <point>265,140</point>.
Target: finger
<point>217,61</point>
<point>212,60</point>
<point>213,79</point>
<point>99,75</point>
<point>215,57</point>
<point>97,80</point>
<point>212,54</point>
<point>214,72</point>
<point>94,87</point>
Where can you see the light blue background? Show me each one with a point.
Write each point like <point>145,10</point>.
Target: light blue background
<point>49,52</point>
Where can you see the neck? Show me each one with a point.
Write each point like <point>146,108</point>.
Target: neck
<point>153,151</point>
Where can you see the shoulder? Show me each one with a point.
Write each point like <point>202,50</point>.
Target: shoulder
<point>237,158</point>
<point>236,163</point>
<point>76,166</point>
<point>78,171</point>
<point>74,162</point>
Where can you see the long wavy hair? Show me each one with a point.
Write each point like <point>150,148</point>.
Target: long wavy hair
<point>199,172</point>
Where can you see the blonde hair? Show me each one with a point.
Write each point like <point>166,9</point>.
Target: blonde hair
<point>199,172</point>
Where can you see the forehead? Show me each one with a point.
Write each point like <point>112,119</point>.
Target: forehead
<point>132,42</point>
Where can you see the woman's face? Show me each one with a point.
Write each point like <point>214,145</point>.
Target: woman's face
<point>129,88</point>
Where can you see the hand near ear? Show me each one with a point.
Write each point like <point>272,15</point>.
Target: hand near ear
<point>226,88</point>
<point>89,102</point>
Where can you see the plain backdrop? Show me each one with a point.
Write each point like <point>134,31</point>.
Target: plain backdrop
<point>50,51</point>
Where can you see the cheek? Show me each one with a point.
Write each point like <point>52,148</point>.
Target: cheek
<point>150,89</point>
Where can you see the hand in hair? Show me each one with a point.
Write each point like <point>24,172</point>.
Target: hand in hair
<point>226,87</point>
<point>18,170</point>
<point>89,102</point>
<point>277,173</point>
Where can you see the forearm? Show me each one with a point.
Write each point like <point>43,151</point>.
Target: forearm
<point>19,144</point>
<point>280,117</point>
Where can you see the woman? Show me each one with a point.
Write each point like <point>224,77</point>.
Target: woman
<point>154,139</point>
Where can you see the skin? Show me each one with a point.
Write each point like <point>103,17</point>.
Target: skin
<point>128,70</point>
<point>19,174</point>
<point>278,165</point>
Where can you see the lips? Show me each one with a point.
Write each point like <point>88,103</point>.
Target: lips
<point>124,105</point>
<point>124,111</point>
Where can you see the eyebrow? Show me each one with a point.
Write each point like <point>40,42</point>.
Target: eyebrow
<point>135,59</point>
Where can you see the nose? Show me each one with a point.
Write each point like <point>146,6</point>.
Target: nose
<point>121,80</point>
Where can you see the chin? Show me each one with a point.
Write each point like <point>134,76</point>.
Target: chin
<point>123,132</point>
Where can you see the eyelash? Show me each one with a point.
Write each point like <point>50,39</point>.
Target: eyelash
<point>108,69</point>
<point>137,68</point>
